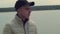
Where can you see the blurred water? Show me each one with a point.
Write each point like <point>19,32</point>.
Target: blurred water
<point>48,21</point>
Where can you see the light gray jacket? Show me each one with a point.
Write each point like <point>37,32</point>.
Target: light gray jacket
<point>16,27</point>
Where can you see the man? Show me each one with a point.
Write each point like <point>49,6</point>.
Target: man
<point>21,24</point>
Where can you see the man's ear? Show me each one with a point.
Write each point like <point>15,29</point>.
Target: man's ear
<point>17,9</point>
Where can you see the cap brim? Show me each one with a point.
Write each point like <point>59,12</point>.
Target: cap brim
<point>31,3</point>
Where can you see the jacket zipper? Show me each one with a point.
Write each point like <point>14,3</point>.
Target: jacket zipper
<point>24,29</point>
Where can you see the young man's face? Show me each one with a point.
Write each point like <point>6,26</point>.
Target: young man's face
<point>24,11</point>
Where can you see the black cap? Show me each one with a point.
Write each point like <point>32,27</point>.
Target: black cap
<point>22,3</point>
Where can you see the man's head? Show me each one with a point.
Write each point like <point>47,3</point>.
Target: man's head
<point>23,8</point>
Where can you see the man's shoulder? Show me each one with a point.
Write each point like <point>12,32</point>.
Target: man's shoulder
<point>9,23</point>
<point>7,26</point>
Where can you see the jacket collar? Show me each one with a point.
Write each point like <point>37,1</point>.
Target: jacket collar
<point>19,20</point>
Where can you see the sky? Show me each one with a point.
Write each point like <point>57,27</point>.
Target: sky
<point>10,3</point>
<point>7,3</point>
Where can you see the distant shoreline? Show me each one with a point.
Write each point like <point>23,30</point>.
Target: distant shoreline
<point>34,8</point>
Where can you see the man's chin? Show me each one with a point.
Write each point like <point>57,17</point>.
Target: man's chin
<point>27,17</point>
